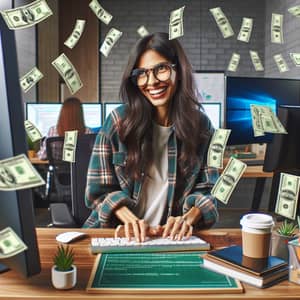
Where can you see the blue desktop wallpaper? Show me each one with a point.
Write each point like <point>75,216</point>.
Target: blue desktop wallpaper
<point>243,91</point>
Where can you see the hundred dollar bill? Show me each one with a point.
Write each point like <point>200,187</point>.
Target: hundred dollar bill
<point>176,23</point>
<point>32,131</point>
<point>295,10</point>
<point>256,121</point>
<point>10,243</point>
<point>281,63</point>
<point>142,31</point>
<point>256,61</point>
<point>73,39</point>
<point>100,12</point>
<point>27,15</point>
<point>228,180</point>
<point>287,197</point>
<point>30,79</point>
<point>276,29</point>
<point>295,58</point>
<point>18,173</point>
<point>69,148</point>
<point>111,38</point>
<point>234,62</point>
<point>222,22</point>
<point>246,29</point>
<point>217,147</point>
<point>68,72</point>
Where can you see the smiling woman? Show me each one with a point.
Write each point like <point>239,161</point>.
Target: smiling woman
<point>148,169</point>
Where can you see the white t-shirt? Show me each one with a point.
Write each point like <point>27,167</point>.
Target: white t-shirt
<point>152,204</point>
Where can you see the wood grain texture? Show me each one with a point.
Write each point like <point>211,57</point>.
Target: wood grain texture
<point>39,286</point>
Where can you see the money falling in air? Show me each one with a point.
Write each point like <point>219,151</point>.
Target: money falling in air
<point>222,22</point>
<point>276,29</point>
<point>245,31</point>
<point>70,142</point>
<point>234,62</point>
<point>30,79</point>
<point>33,133</point>
<point>110,40</point>
<point>176,23</point>
<point>142,31</point>
<point>26,16</point>
<point>10,243</point>
<point>73,39</point>
<point>281,63</point>
<point>256,61</point>
<point>287,197</point>
<point>217,147</point>
<point>17,173</point>
<point>100,12</point>
<point>228,180</point>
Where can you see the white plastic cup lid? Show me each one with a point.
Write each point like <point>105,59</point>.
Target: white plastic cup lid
<point>257,221</point>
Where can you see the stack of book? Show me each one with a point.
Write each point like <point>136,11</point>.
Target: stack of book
<point>257,272</point>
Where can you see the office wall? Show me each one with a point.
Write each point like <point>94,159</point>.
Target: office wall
<point>291,31</point>
<point>202,40</point>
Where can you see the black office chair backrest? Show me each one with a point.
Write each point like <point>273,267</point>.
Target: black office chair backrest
<point>84,147</point>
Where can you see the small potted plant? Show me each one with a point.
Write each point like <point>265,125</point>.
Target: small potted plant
<point>64,272</point>
<point>32,147</point>
<point>280,238</point>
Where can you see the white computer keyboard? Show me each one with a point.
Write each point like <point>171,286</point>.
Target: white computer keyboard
<point>119,245</point>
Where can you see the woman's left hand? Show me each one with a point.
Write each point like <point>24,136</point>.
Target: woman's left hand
<point>181,226</point>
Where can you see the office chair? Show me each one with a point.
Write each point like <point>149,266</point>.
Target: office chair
<point>61,215</point>
<point>58,187</point>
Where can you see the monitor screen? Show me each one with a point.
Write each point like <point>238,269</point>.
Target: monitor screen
<point>16,207</point>
<point>45,115</point>
<point>213,111</point>
<point>243,91</point>
<point>109,107</point>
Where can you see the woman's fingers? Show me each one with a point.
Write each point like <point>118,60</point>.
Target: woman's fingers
<point>177,228</point>
<point>119,231</point>
<point>177,225</point>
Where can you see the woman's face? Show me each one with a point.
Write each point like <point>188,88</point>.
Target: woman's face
<point>159,93</point>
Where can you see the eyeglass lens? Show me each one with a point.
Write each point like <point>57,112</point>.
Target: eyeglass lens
<point>161,72</point>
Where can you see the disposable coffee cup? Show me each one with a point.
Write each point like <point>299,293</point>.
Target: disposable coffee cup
<point>256,235</point>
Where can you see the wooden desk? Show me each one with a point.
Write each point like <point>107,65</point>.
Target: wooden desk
<point>12,286</point>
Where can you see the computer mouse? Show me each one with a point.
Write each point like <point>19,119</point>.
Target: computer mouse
<point>70,236</point>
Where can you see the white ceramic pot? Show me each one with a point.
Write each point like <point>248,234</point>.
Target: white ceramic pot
<point>64,280</point>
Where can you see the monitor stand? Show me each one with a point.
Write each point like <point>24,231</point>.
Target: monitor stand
<point>3,268</point>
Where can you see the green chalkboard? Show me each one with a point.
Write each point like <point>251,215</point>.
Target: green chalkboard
<point>152,271</point>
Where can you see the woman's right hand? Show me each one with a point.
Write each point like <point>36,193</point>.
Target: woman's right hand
<point>133,226</point>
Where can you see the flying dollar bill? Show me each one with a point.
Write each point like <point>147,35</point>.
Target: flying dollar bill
<point>264,120</point>
<point>100,12</point>
<point>69,148</point>
<point>33,133</point>
<point>10,243</point>
<point>246,29</point>
<point>295,58</point>
<point>176,23</point>
<point>73,39</point>
<point>27,15</point>
<point>30,79</point>
<point>276,29</point>
<point>68,72</point>
<point>281,63</point>
<point>228,180</point>
<point>142,31</point>
<point>234,62</point>
<point>256,61</point>
<point>18,173</point>
<point>295,10</point>
<point>217,147</point>
<point>222,22</point>
<point>110,40</point>
<point>287,197</point>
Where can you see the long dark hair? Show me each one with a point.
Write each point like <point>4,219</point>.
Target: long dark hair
<point>71,117</point>
<point>136,128</point>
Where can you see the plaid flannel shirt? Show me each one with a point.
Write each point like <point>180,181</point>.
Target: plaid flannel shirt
<point>108,188</point>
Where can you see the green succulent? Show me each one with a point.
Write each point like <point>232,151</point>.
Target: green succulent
<point>64,258</point>
<point>287,229</point>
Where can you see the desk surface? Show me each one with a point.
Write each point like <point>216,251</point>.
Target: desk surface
<point>39,286</point>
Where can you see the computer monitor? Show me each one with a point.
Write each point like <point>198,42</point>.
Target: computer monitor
<point>213,111</point>
<point>16,207</point>
<point>109,107</point>
<point>45,115</point>
<point>243,91</point>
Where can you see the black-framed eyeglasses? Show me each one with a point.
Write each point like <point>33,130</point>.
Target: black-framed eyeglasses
<point>162,72</point>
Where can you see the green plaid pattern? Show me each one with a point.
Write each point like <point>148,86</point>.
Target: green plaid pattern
<point>108,188</point>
